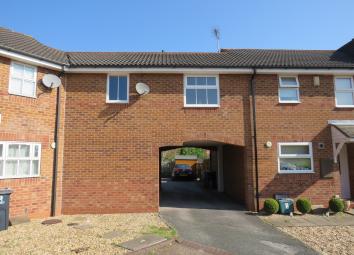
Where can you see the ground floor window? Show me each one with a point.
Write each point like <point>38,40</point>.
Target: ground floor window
<point>19,159</point>
<point>295,158</point>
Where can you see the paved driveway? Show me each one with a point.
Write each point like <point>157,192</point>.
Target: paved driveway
<point>212,219</point>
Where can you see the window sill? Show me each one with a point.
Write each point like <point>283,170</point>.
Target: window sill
<point>296,172</point>
<point>201,106</point>
<point>117,102</point>
<point>345,106</point>
<point>13,94</point>
<point>289,102</point>
<point>19,177</point>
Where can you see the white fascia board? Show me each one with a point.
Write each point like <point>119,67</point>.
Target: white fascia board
<point>210,70</point>
<point>29,60</point>
<point>307,71</point>
<point>161,70</point>
<point>341,122</point>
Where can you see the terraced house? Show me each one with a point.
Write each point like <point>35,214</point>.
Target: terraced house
<point>278,122</point>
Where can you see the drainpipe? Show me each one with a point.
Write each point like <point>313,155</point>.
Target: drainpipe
<point>56,152</point>
<point>254,135</point>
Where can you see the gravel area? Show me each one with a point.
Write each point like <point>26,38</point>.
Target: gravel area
<point>35,238</point>
<point>325,239</point>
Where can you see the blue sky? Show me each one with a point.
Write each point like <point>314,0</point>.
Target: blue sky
<point>182,25</point>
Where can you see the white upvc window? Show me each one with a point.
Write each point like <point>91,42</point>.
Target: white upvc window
<point>117,89</point>
<point>344,91</point>
<point>201,91</point>
<point>19,159</point>
<point>289,89</point>
<point>22,79</point>
<point>295,157</point>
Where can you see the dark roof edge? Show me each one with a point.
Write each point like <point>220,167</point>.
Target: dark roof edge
<point>33,55</point>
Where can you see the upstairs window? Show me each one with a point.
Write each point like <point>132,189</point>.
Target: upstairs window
<point>289,89</point>
<point>22,80</point>
<point>117,89</point>
<point>295,158</point>
<point>344,91</point>
<point>19,160</point>
<point>201,91</point>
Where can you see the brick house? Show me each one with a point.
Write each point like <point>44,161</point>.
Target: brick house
<point>278,121</point>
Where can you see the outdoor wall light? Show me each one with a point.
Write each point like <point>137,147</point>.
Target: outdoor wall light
<point>268,144</point>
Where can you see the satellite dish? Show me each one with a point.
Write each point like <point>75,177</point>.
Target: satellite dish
<point>51,81</point>
<point>142,88</point>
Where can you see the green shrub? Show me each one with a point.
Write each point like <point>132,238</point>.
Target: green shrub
<point>303,205</point>
<point>336,205</point>
<point>271,206</point>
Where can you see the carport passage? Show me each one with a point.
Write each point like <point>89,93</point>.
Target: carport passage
<point>227,161</point>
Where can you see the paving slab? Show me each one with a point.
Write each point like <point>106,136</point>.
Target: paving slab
<point>180,247</point>
<point>112,234</point>
<point>19,220</point>
<point>51,221</point>
<point>142,242</point>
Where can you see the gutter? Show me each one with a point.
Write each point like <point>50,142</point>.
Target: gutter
<point>56,151</point>
<point>254,135</point>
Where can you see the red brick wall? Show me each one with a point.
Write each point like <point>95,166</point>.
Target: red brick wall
<point>306,122</point>
<point>111,150</point>
<point>30,120</point>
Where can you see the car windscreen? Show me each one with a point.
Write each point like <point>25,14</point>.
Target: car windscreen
<point>182,166</point>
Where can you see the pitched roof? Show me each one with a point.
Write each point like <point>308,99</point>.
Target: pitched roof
<point>231,58</point>
<point>347,130</point>
<point>27,45</point>
<point>227,58</point>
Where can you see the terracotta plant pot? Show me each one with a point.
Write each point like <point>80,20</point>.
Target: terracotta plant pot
<point>347,205</point>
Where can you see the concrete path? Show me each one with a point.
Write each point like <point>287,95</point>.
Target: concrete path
<point>209,218</point>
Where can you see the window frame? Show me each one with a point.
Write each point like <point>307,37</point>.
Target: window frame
<point>343,90</point>
<point>31,158</point>
<point>107,89</point>
<point>292,156</point>
<point>185,87</point>
<point>297,88</point>
<point>34,79</point>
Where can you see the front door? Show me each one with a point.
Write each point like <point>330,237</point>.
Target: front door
<point>344,172</point>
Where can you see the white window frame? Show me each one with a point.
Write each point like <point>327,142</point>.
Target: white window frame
<point>107,89</point>
<point>34,79</point>
<point>343,90</point>
<point>217,87</point>
<point>297,88</point>
<point>31,158</point>
<point>309,156</point>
